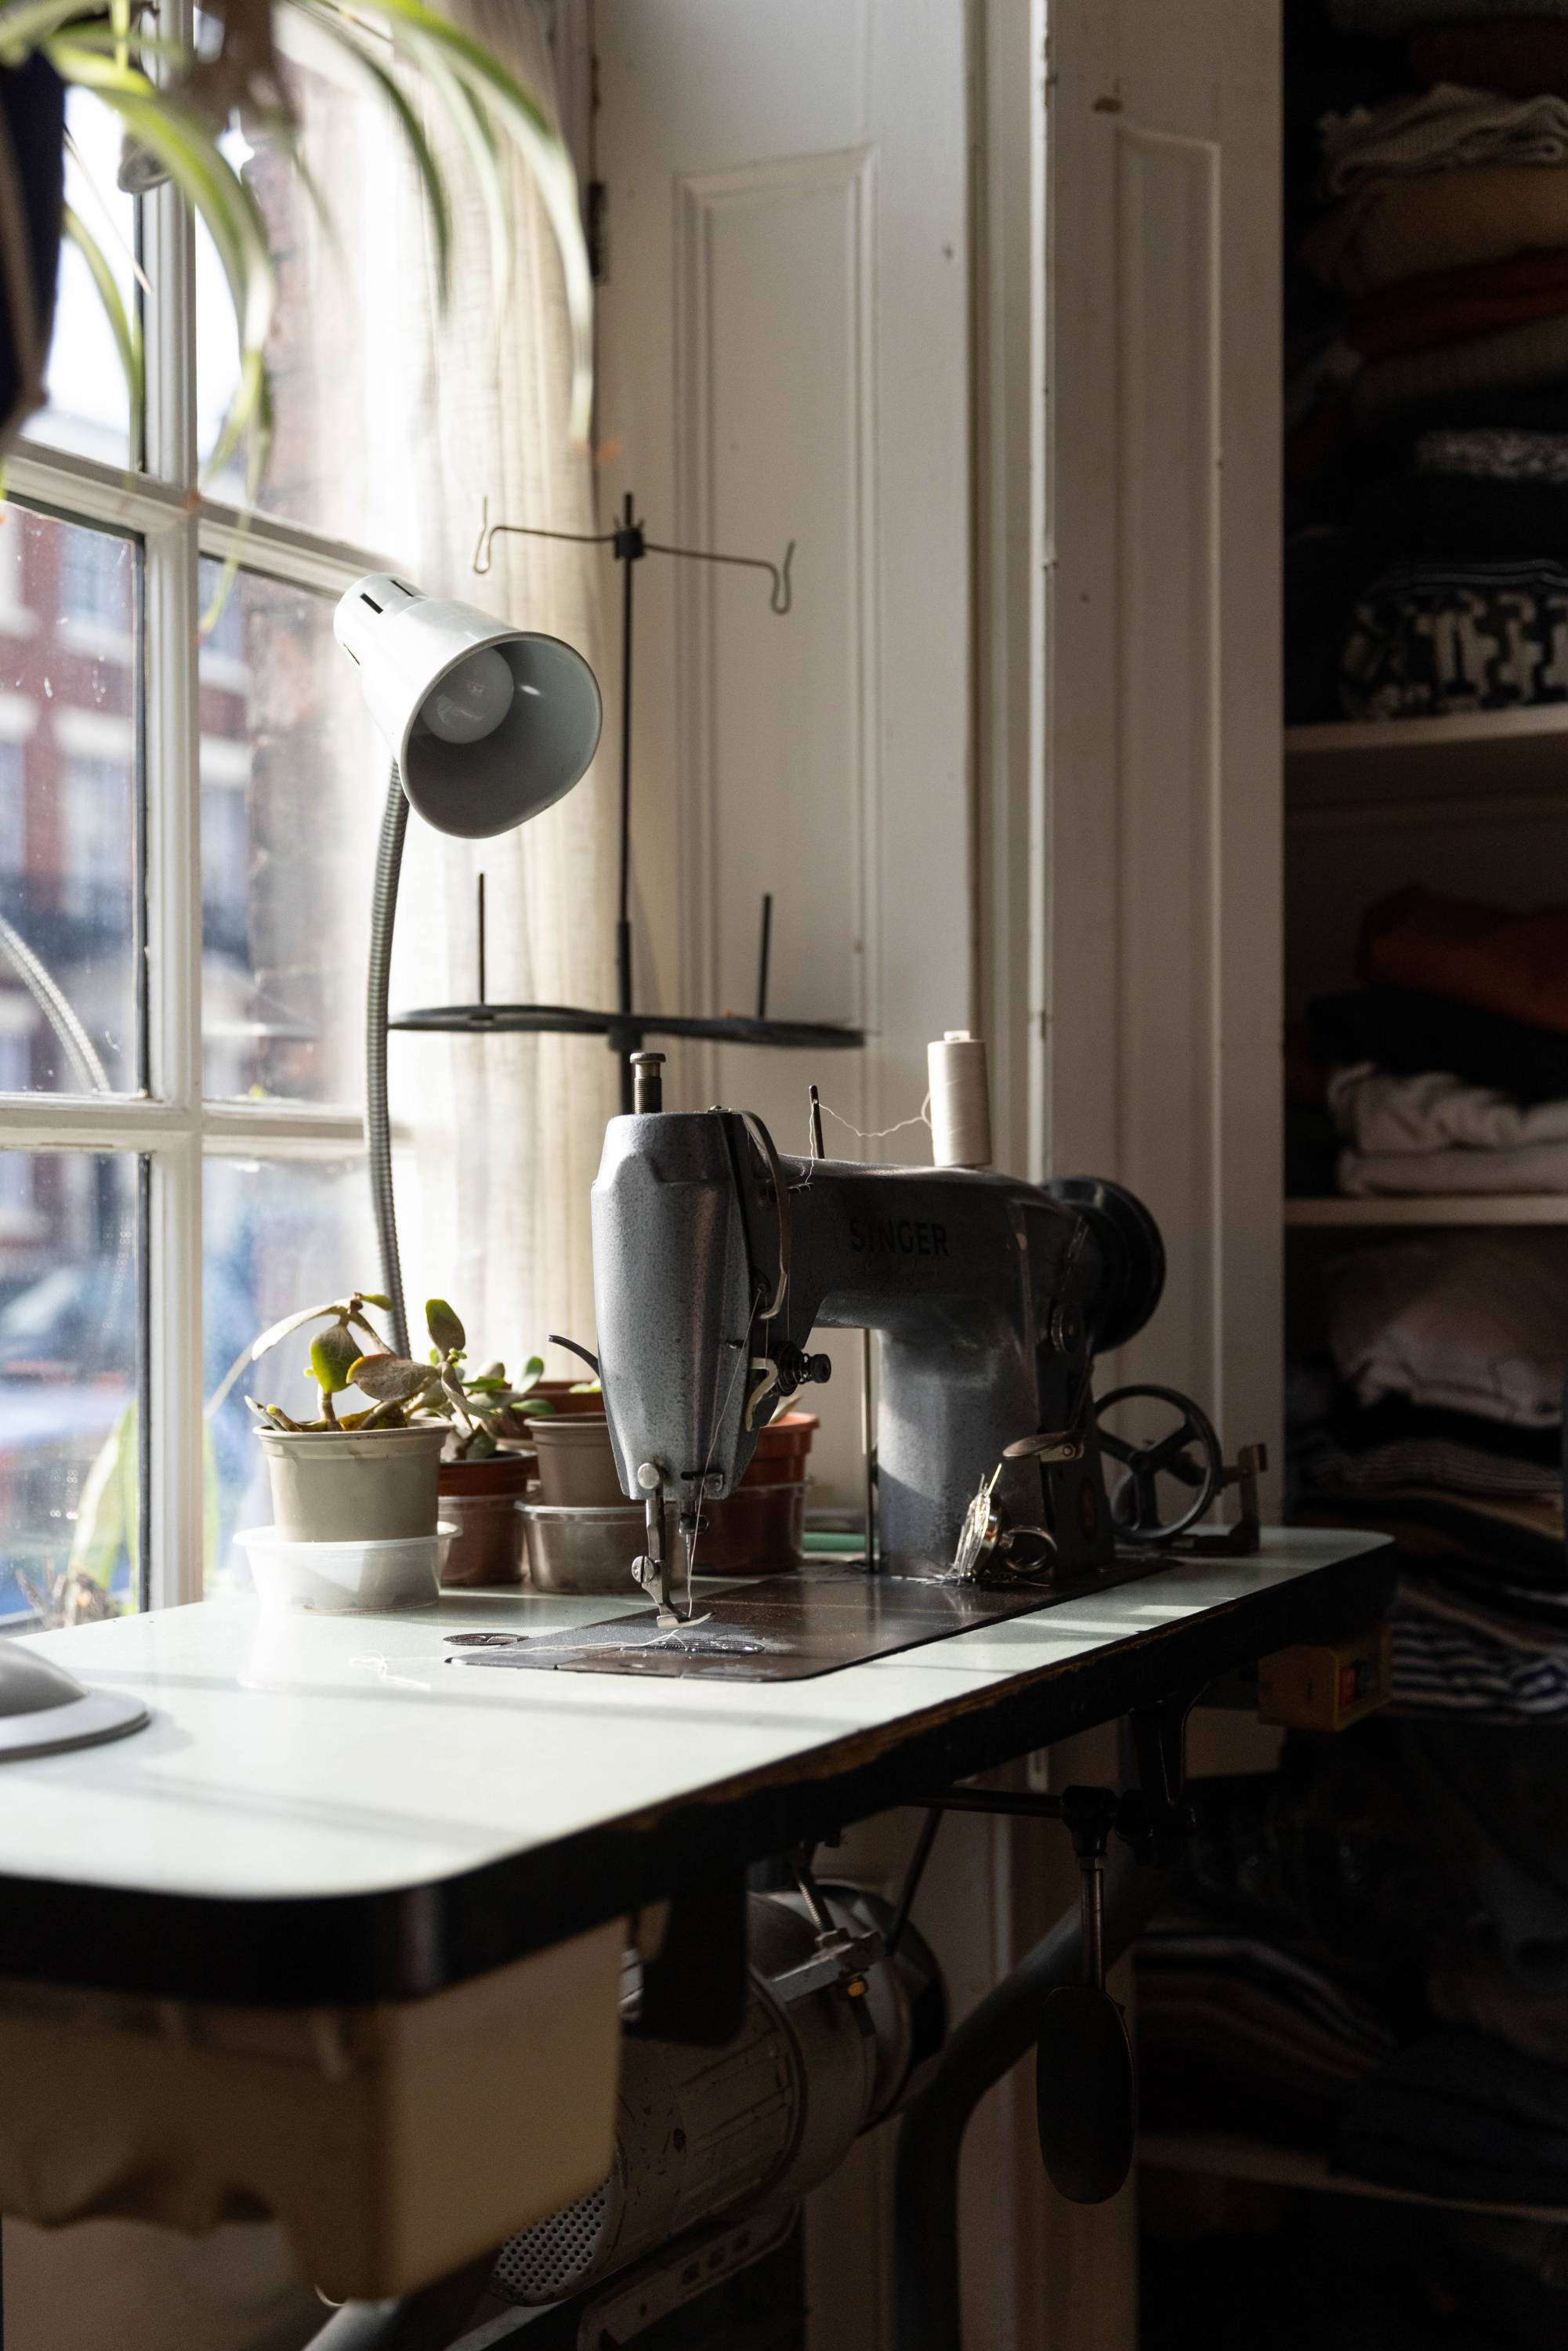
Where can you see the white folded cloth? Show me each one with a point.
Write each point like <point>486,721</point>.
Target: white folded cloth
<point>1470,1322</point>
<point>1376,1113</point>
<point>1437,130</point>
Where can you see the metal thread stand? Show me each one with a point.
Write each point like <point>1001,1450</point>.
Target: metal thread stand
<point>624,1028</point>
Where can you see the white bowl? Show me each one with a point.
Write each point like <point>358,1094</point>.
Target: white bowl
<point>345,1579</point>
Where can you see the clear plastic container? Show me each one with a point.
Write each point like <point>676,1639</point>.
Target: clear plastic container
<point>345,1579</point>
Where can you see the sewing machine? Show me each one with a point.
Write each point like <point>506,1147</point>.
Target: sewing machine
<point>714,1259</point>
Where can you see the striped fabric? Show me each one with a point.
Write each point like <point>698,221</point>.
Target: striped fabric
<point>1443,1666</point>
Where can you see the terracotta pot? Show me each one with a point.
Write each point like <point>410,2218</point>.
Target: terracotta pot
<point>354,1485</point>
<point>576,1463</point>
<point>755,1531</point>
<point>480,1498</point>
<point>565,1397</point>
<point>781,1449</point>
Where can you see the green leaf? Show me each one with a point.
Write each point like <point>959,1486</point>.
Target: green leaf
<point>189,153</point>
<point>492,116</point>
<point>374,1297</point>
<point>480,1447</point>
<point>334,1353</point>
<point>424,164</point>
<point>389,1379</point>
<point>446,1332</point>
<point>24,27</point>
<point>125,327</point>
<point>446,54</point>
<point>275,1415</point>
<point>534,1369</point>
<point>277,1330</point>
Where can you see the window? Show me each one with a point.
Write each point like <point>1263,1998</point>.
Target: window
<point>189,797</point>
<point>92,584</point>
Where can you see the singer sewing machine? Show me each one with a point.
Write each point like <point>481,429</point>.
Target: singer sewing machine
<point>715,1260</point>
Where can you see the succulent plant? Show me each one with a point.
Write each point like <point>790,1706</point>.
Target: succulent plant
<point>481,1405</point>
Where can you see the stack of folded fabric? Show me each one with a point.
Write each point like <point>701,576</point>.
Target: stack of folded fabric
<point>1431,1406</point>
<point>1435,1415</point>
<point>1428,530</point>
<point>1369,1956</point>
<point>1229,2021</point>
<point>1449,1074</point>
<point>1478,2106</point>
<point>1291,1962</point>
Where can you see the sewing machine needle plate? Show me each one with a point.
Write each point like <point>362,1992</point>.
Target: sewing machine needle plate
<point>788,1627</point>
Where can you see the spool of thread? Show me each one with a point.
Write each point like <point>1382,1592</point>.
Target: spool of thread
<point>961,1101</point>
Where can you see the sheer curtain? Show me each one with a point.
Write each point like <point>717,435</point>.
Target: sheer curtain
<point>501,1135</point>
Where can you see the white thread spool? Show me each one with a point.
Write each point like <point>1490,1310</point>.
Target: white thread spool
<point>961,1101</point>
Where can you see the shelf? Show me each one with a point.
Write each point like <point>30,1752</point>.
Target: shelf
<point>1218,2158</point>
<point>1351,735</point>
<point>1434,1209</point>
<point>1497,766</point>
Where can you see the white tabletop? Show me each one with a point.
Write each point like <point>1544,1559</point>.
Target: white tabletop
<point>298,1755</point>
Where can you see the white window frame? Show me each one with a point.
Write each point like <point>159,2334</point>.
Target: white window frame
<point>171,1124</point>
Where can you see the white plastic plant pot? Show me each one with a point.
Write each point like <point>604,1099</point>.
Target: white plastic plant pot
<point>354,1485</point>
<point>344,1579</point>
<point>488,724</point>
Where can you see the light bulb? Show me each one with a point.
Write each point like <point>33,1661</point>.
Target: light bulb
<point>471,700</point>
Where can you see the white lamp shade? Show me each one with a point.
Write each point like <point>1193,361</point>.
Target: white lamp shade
<point>406,643</point>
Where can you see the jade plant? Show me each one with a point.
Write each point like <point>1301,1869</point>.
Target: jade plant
<point>336,1353</point>
<point>482,1405</point>
<point>349,1353</point>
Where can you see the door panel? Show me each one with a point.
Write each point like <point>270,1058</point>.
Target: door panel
<point>785,357</point>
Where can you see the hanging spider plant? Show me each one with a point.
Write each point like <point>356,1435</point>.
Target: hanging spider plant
<point>175,103</point>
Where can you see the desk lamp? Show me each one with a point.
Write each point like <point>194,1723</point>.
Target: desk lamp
<point>486,725</point>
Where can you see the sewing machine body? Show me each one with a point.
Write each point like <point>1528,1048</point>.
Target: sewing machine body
<point>715,1260</point>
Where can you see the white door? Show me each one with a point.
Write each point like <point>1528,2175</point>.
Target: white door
<point>1161,744</point>
<point>784,356</point>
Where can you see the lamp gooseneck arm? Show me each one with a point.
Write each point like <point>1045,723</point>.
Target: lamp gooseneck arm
<point>377,1122</point>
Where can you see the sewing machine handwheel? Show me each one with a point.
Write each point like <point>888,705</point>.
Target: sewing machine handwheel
<point>1132,1256</point>
<point>1190,1453</point>
<point>1084,2094</point>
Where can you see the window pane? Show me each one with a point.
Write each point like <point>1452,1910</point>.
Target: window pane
<point>348,286</point>
<point>71,1354</point>
<point>278,1235</point>
<point>70,895</point>
<point>88,405</point>
<point>291,792</point>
